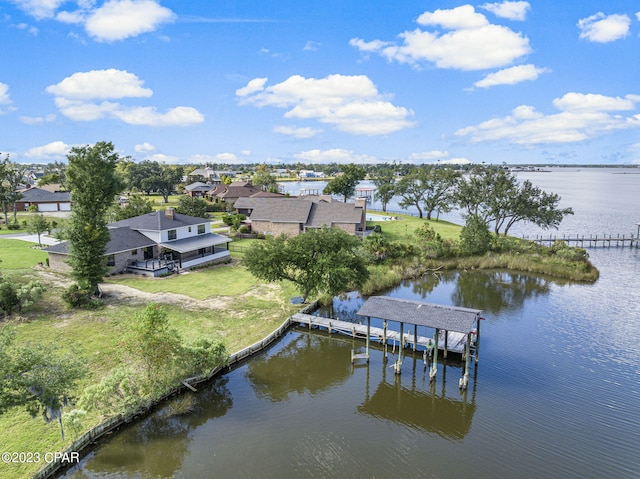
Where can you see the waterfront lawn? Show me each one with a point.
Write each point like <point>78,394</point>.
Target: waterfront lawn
<point>402,228</point>
<point>228,280</point>
<point>17,254</point>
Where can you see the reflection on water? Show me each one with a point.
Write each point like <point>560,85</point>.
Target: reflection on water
<point>555,395</point>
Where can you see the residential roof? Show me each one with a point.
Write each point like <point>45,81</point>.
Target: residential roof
<point>325,214</point>
<point>159,221</point>
<point>38,195</point>
<point>198,186</point>
<point>278,210</point>
<point>237,189</point>
<point>195,242</point>
<point>314,212</point>
<point>122,239</point>
<point>449,318</point>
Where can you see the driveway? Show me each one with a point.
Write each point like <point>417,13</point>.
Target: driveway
<point>44,239</point>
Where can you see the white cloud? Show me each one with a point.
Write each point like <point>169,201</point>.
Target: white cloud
<point>511,76</point>
<point>312,46</point>
<point>254,86</point>
<point>303,132</point>
<point>580,102</point>
<point>601,28</point>
<point>434,155</point>
<point>77,97</point>
<point>144,147</point>
<point>39,8</point>
<point>162,158</point>
<point>100,84</point>
<point>6,105</point>
<point>245,152</point>
<point>510,10</point>
<point>55,149</point>
<point>336,155</point>
<point>350,103</point>
<point>581,117</point>
<point>120,19</point>
<point>37,120</point>
<point>470,42</point>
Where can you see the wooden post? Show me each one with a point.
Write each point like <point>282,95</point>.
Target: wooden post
<point>368,334</point>
<point>434,364</point>
<point>478,319</point>
<point>384,338</point>
<point>465,378</point>
<point>398,368</point>
<point>415,337</point>
<point>446,343</point>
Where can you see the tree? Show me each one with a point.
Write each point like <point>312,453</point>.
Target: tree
<point>136,206</point>
<point>38,224</point>
<point>385,182</point>
<point>152,342</point>
<point>192,206</point>
<point>345,184</point>
<point>475,238</point>
<point>93,184</point>
<point>165,183</point>
<point>14,296</point>
<point>11,176</point>
<point>429,189</point>
<point>327,260</point>
<point>494,195</point>
<point>38,377</point>
<point>264,180</point>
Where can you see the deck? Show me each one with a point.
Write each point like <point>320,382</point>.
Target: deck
<point>455,341</point>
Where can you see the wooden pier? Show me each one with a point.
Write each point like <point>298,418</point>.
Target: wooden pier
<point>589,241</point>
<point>455,341</point>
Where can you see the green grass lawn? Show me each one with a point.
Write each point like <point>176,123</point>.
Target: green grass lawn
<point>198,284</point>
<point>407,224</point>
<point>18,254</point>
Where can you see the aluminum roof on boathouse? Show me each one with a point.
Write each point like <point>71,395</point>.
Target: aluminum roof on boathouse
<point>449,318</point>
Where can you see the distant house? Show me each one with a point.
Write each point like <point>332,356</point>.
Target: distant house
<point>155,244</point>
<point>230,193</point>
<point>198,189</point>
<point>310,174</point>
<point>292,216</point>
<point>209,174</point>
<point>46,199</point>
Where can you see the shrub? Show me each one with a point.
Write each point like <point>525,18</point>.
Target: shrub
<point>78,297</point>
<point>13,226</point>
<point>475,237</point>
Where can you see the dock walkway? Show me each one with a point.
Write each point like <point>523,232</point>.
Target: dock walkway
<point>455,341</point>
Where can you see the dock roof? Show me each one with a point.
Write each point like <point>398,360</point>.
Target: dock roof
<point>449,318</point>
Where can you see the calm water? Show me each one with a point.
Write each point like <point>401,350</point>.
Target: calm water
<point>556,393</point>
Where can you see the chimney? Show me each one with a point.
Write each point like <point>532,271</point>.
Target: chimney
<point>170,213</point>
<point>361,203</point>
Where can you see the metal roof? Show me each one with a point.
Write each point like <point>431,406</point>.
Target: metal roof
<point>196,242</point>
<point>449,318</point>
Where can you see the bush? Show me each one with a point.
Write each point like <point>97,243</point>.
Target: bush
<point>13,226</point>
<point>77,297</point>
<point>244,229</point>
<point>475,237</point>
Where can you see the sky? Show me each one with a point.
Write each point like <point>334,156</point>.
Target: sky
<point>346,81</point>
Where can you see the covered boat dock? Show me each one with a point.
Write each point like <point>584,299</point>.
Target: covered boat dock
<point>417,313</point>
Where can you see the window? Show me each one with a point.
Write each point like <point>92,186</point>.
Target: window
<point>189,229</point>
<point>200,229</point>
<point>173,234</point>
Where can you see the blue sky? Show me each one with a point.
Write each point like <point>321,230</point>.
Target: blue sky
<point>322,81</point>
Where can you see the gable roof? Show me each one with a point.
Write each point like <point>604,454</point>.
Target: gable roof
<point>35,195</point>
<point>238,189</point>
<point>313,212</point>
<point>159,221</point>
<point>198,186</point>
<point>122,239</point>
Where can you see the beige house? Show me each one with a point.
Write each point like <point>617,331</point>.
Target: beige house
<point>292,216</point>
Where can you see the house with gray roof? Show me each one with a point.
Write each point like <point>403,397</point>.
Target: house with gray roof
<point>292,216</point>
<point>45,199</point>
<point>155,244</point>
